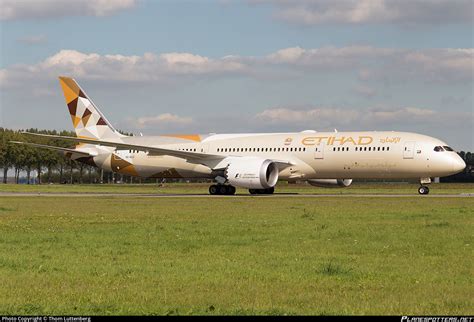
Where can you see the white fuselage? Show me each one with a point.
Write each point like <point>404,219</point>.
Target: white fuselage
<point>313,155</point>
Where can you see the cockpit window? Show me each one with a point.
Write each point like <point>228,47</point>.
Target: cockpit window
<point>447,148</point>
<point>438,148</point>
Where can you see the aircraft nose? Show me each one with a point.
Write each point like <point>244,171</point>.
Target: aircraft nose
<point>458,164</point>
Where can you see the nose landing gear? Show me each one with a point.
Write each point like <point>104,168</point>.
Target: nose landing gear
<point>423,190</point>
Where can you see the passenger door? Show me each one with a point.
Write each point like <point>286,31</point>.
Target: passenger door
<point>319,151</point>
<point>409,150</point>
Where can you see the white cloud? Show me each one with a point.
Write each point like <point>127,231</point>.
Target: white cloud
<point>450,63</point>
<point>304,116</point>
<point>162,121</point>
<point>430,62</point>
<point>186,63</point>
<point>323,117</point>
<point>366,62</point>
<point>397,115</point>
<point>443,64</point>
<point>287,55</point>
<point>184,59</point>
<point>313,12</point>
<point>331,57</point>
<point>48,9</point>
<point>145,68</point>
<point>166,118</point>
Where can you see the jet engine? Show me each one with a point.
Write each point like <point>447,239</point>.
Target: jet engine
<point>252,173</point>
<point>330,183</point>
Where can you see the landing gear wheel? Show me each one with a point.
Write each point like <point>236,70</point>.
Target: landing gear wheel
<point>270,191</point>
<point>213,190</point>
<point>423,190</point>
<point>222,190</point>
<point>253,191</point>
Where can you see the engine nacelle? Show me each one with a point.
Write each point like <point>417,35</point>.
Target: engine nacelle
<point>252,173</point>
<point>330,183</point>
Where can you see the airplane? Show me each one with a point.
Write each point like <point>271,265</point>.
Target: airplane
<point>254,161</point>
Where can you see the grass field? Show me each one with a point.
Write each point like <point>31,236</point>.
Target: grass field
<point>202,188</point>
<point>282,255</point>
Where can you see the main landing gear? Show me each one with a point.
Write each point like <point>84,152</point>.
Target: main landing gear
<point>268,191</point>
<point>220,189</point>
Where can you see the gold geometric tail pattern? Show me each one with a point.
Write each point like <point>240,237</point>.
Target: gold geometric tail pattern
<point>86,118</point>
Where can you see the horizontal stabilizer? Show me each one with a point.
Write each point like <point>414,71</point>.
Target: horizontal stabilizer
<point>56,148</point>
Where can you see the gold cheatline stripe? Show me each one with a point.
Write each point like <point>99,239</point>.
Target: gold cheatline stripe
<point>192,137</point>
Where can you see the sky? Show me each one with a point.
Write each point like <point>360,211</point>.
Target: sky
<point>224,66</point>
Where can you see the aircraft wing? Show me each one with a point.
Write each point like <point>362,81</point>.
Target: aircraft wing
<point>56,148</point>
<point>194,157</point>
<point>211,160</point>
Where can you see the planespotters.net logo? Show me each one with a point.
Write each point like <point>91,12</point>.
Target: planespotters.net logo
<point>437,319</point>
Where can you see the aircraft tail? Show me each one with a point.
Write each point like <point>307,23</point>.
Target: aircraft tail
<point>87,119</point>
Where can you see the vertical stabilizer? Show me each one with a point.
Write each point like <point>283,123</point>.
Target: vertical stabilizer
<point>86,118</point>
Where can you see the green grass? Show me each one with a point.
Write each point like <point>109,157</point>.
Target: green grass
<point>202,188</point>
<point>132,255</point>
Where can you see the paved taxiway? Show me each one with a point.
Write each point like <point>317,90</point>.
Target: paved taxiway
<point>276,195</point>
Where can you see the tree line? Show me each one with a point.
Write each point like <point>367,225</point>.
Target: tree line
<point>50,166</point>
<point>54,167</point>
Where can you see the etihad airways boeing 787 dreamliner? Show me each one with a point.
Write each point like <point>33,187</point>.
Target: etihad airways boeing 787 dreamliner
<point>253,161</point>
